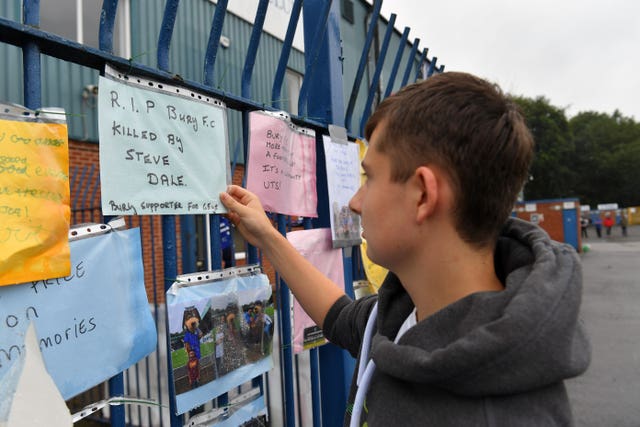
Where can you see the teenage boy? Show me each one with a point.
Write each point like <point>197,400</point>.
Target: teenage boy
<point>477,321</point>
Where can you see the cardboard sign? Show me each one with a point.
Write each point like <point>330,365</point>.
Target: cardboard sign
<point>160,153</point>
<point>91,324</point>
<point>282,165</point>
<point>34,195</point>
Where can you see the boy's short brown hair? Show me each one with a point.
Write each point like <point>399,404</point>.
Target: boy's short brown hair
<point>469,128</point>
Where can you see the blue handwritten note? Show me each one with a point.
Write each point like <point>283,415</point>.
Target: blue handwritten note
<point>160,153</point>
<point>91,324</point>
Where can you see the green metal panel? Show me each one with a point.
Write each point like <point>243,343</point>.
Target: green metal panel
<point>62,84</point>
<point>189,43</point>
<point>11,86</point>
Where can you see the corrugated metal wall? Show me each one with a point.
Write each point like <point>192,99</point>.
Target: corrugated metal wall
<point>187,60</point>
<point>63,82</point>
<point>189,43</point>
<point>11,86</point>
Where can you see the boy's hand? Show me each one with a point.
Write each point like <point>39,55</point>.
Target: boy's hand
<point>247,214</point>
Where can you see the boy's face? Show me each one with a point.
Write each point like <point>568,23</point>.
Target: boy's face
<point>383,205</point>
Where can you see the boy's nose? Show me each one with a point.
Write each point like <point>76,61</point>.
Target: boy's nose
<point>355,202</point>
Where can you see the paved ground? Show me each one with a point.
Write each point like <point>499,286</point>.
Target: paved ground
<point>608,395</point>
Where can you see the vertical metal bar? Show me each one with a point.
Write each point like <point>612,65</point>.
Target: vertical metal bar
<point>252,252</point>
<point>375,14</point>
<point>412,57</point>
<point>148,358</point>
<point>116,388</point>
<point>188,239</point>
<point>316,403</point>
<point>286,350</point>
<point>207,234</point>
<point>432,66</point>
<point>326,89</point>
<point>166,32</point>
<point>137,371</point>
<point>214,41</point>
<point>252,49</point>
<point>170,263</point>
<point>423,58</point>
<point>156,310</point>
<point>396,62</point>
<point>376,74</point>
<point>311,60</point>
<point>32,67</point>
<point>247,72</point>
<point>314,366</point>
<point>107,22</point>
<point>284,54</point>
<point>298,395</point>
<point>216,246</point>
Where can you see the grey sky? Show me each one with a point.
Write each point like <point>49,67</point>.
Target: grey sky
<point>580,54</point>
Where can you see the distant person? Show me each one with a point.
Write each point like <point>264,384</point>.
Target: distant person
<point>624,221</point>
<point>597,223</point>
<point>608,223</point>
<point>584,223</point>
<point>477,322</point>
<point>219,337</point>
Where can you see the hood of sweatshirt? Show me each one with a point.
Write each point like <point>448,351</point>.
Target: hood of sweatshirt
<point>492,343</point>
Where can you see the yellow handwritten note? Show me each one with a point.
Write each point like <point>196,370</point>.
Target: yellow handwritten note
<point>34,196</point>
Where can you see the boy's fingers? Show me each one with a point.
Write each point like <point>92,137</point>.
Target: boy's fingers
<point>229,202</point>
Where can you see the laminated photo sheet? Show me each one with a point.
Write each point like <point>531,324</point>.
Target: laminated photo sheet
<point>281,166</point>
<point>34,194</point>
<point>316,246</point>
<point>221,332</point>
<point>343,181</point>
<point>91,324</point>
<point>246,407</point>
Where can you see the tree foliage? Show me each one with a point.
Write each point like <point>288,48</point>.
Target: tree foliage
<point>593,156</point>
<point>551,174</point>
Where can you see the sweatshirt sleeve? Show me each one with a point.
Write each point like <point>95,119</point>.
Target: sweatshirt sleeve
<point>346,320</point>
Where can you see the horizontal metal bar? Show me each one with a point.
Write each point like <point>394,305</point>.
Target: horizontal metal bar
<point>58,47</point>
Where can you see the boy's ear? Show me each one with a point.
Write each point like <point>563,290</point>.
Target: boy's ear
<point>427,182</point>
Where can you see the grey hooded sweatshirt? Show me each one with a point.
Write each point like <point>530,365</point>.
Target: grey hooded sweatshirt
<point>489,359</point>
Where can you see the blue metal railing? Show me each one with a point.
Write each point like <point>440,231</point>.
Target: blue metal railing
<point>329,367</point>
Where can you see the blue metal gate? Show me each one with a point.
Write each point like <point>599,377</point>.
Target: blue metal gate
<point>321,102</point>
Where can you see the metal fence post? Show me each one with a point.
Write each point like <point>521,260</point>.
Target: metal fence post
<point>326,91</point>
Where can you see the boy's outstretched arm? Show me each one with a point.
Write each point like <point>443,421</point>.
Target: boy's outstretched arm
<point>315,292</point>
